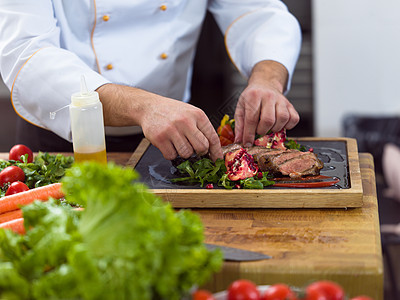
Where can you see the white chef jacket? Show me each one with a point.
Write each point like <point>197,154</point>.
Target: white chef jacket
<point>46,45</point>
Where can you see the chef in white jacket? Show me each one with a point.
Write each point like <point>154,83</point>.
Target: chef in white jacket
<point>138,55</point>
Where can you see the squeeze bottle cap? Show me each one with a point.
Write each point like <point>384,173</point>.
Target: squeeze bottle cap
<point>84,97</point>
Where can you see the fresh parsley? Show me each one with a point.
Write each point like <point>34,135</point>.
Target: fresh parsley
<point>204,171</point>
<point>292,144</point>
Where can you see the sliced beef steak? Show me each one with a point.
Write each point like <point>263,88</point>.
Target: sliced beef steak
<point>230,148</point>
<point>288,162</point>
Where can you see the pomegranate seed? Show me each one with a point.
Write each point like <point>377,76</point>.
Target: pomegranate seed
<point>260,175</point>
<point>311,149</point>
<point>237,186</point>
<point>209,186</point>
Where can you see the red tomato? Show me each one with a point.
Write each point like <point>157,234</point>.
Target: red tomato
<point>243,289</point>
<point>226,131</point>
<point>202,295</point>
<point>224,141</point>
<point>11,174</point>
<point>361,298</point>
<point>18,150</point>
<point>279,292</point>
<point>16,187</point>
<point>324,290</point>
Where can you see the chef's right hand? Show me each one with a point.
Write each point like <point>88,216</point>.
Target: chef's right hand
<point>174,127</point>
<point>178,128</point>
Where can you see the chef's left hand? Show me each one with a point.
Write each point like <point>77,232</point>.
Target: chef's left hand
<point>262,105</point>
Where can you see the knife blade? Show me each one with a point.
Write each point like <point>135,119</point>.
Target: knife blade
<point>236,254</point>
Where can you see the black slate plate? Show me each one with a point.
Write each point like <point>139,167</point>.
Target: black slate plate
<point>156,171</point>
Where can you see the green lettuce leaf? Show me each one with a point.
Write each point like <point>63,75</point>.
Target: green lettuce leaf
<point>126,244</point>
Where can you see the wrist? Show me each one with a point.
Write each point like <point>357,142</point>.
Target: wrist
<point>121,105</point>
<point>272,73</point>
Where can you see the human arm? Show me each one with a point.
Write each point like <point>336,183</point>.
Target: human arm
<point>262,105</point>
<point>172,126</point>
<point>42,75</point>
<point>263,41</point>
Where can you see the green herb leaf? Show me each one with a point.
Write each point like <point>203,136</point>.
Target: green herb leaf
<point>202,171</point>
<point>292,144</point>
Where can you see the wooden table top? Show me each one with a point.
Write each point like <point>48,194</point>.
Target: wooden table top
<point>306,245</point>
<point>342,245</point>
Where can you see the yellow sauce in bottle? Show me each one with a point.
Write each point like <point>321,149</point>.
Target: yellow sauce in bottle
<point>99,156</point>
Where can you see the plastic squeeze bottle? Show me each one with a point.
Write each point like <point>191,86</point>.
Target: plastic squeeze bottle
<point>87,125</point>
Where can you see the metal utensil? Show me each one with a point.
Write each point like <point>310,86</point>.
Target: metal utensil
<point>235,254</point>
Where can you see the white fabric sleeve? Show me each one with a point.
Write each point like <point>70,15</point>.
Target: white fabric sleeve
<point>40,75</point>
<point>258,30</point>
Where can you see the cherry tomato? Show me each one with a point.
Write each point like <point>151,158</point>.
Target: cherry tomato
<point>224,141</point>
<point>18,150</point>
<point>361,298</point>
<point>226,131</point>
<point>324,290</point>
<point>202,295</point>
<point>11,174</point>
<point>16,187</point>
<point>243,289</point>
<point>279,292</point>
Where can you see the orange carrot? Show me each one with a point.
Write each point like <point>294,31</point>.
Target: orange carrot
<point>16,225</point>
<point>43,193</point>
<point>11,215</point>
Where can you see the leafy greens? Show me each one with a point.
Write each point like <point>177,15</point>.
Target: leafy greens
<point>126,244</point>
<point>205,171</point>
<point>45,169</point>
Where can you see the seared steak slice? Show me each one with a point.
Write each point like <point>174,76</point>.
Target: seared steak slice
<point>230,148</point>
<point>302,165</point>
<point>289,162</point>
<point>259,150</point>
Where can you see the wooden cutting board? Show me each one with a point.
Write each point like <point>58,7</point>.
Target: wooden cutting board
<point>145,159</point>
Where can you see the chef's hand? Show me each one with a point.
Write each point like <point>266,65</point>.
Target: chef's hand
<point>262,105</point>
<point>178,128</point>
<point>174,127</point>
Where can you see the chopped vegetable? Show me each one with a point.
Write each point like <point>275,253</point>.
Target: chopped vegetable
<point>226,131</point>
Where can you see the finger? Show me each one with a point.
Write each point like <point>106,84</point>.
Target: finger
<point>294,117</point>
<point>211,135</point>
<point>168,150</point>
<point>239,121</point>
<point>267,118</point>
<point>281,117</point>
<point>251,120</point>
<point>181,144</point>
<point>198,141</point>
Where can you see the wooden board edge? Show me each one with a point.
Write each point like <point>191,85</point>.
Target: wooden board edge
<point>138,153</point>
<point>306,198</point>
<point>354,165</point>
